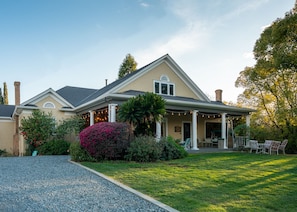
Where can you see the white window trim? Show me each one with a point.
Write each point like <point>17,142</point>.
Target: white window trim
<point>164,76</point>
<point>160,87</point>
<point>53,105</point>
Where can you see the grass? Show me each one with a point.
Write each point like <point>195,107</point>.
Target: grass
<point>214,181</point>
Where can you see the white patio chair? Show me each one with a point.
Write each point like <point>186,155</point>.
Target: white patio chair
<point>282,146</point>
<point>266,146</point>
<point>254,146</point>
<point>274,147</point>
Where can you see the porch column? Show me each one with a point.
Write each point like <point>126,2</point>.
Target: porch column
<point>248,123</point>
<point>223,130</point>
<point>91,117</point>
<point>112,112</point>
<point>158,131</point>
<point>194,127</point>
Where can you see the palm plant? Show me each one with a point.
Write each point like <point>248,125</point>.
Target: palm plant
<point>143,111</point>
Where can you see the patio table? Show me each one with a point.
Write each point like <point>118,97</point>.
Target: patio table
<point>262,148</point>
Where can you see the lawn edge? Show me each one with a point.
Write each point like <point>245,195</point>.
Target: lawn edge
<point>137,193</point>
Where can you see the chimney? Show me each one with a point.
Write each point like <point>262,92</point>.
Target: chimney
<point>219,95</point>
<point>17,94</point>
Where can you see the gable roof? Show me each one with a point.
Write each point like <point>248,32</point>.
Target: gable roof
<point>44,94</point>
<point>118,84</point>
<point>6,110</point>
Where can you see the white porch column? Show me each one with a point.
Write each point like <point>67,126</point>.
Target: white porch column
<point>194,127</point>
<point>248,123</point>
<point>91,117</point>
<point>112,112</point>
<point>158,131</point>
<point>248,120</point>
<point>223,130</point>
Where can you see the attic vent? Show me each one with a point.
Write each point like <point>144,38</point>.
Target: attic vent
<point>164,78</point>
<point>48,105</point>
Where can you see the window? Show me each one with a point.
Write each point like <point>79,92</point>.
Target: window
<point>163,86</point>
<point>48,105</point>
<point>157,87</point>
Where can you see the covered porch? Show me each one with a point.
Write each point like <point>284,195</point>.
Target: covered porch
<point>206,128</point>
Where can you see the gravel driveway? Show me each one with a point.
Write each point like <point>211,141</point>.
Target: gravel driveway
<point>52,183</point>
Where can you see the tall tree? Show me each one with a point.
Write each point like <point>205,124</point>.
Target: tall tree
<point>5,94</point>
<point>1,97</point>
<point>128,66</point>
<point>271,84</point>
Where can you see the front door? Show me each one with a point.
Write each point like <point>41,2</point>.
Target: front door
<point>186,130</point>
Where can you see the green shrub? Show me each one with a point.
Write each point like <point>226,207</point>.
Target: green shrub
<point>79,154</point>
<point>4,153</point>
<point>144,149</point>
<point>171,149</point>
<point>54,147</point>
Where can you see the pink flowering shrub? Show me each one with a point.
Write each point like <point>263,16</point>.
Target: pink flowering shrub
<point>106,140</point>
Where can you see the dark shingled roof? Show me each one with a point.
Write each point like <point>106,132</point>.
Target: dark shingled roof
<point>110,86</point>
<point>78,96</point>
<point>6,110</point>
<point>74,95</point>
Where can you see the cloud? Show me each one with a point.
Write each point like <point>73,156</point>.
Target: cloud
<point>245,7</point>
<point>144,4</point>
<point>192,35</point>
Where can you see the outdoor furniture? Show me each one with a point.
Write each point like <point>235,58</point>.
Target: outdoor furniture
<point>221,143</point>
<point>207,142</point>
<point>266,146</point>
<point>240,142</point>
<point>186,144</point>
<point>274,146</point>
<point>248,145</point>
<point>214,142</point>
<point>282,146</point>
<point>254,146</point>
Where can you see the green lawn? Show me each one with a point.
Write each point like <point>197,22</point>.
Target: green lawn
<point>214,181</point>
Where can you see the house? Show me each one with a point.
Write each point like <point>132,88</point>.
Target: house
<point>189,112</point>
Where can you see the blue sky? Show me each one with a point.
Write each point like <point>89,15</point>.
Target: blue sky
<point>52,43</point>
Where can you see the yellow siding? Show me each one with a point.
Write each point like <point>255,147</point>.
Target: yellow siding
<point>146,82</point>
<point>59,115</point>
<point>177,121</point>
<point>6,135</point>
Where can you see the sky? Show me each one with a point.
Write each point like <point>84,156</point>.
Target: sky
<point>55,43</point>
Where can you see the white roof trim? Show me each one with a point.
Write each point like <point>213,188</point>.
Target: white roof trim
<point>49,92</point>
<point>184,77</point>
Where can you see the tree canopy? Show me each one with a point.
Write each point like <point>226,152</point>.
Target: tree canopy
<point>271,84</point>
<point>128,66</point>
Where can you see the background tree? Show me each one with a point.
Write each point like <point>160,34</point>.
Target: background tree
<point>5,94</point>
<point>271,84</point>
<point>142,112</point>
<point>128,66</point>
<point>1,97</point>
